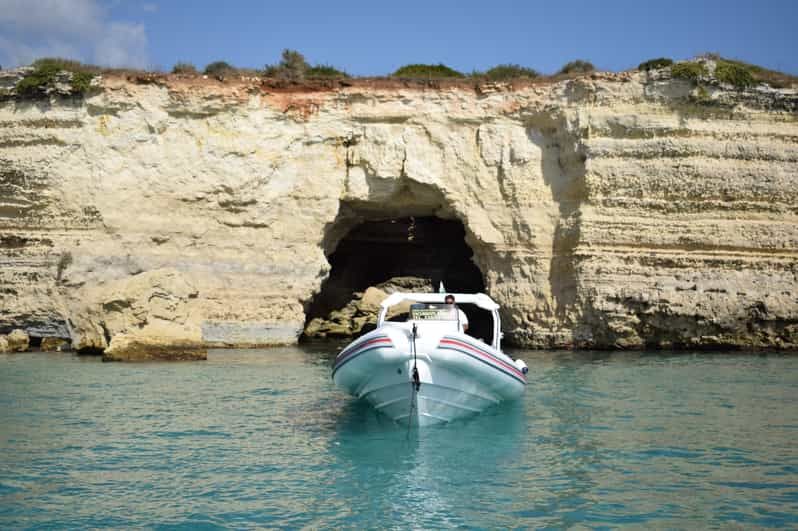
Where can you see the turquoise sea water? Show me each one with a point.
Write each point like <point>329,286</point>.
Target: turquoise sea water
<point>253,439</point>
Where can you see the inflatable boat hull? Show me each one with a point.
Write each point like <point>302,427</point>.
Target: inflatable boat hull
<point>458,375</point>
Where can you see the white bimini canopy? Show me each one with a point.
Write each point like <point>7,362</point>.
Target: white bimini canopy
<point>478,299</point>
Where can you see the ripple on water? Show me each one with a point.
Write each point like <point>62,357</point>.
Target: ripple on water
<point>262,439</point>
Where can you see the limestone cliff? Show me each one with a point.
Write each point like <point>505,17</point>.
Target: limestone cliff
<point>613,210</point>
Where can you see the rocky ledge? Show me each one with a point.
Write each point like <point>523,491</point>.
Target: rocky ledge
<point>608,211</point>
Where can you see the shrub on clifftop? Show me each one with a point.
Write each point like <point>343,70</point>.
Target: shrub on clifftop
<point>689,70</point>
<point>219,69</point>
<point>654,64</point>
<point>325,71</point>
<point>418,70</point>
<point>508,71</point>
<point>45,76</point>
<point>760,74</point>
<point>577,67</point>
<point>294,67</point>
<point>734,73</point>
<point>184,68</point>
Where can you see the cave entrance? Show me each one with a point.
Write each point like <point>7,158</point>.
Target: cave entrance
<point>400,254</point>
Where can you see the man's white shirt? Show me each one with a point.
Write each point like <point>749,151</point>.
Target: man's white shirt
<point>461,317</point>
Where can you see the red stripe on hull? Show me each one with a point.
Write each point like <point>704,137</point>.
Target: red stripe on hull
<point>343,355</point>
<point>485,355</point>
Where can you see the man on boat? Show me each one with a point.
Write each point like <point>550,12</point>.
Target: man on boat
<point>461,316</point>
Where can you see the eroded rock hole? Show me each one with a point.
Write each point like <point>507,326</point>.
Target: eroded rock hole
<point>377,258</point>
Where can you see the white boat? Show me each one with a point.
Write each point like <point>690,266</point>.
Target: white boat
<point>427,370</point>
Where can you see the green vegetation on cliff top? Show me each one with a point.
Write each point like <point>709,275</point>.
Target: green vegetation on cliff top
<point>773,78</point>
<point>47,72</point>
<point>739,74</point>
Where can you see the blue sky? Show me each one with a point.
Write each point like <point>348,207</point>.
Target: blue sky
<point>375,37</point>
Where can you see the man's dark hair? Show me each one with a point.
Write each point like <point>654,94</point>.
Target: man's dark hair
<point>447,298</point>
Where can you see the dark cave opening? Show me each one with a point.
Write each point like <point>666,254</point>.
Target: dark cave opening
<point>429,248</point>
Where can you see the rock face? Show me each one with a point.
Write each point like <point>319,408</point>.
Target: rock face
<point>618,210</point>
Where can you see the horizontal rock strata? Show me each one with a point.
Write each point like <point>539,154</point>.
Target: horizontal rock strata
<point>613,211</point>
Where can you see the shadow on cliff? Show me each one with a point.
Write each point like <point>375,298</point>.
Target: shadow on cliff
<point>563,171</point>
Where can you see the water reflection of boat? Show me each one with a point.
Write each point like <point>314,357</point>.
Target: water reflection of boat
<point>426,369</point>
<point>416,479</point>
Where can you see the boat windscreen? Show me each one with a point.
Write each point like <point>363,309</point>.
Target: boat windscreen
<point>433,312</point>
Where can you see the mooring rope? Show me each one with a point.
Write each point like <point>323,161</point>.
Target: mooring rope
<point>416,380</point>
<point>415,383</point>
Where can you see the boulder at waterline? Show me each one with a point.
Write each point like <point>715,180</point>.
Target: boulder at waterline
<point>18,341</point>
<point>127,348</point>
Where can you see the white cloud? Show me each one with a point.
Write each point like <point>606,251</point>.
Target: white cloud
<point>14,52</point>
<point>77,29</point>
<point>123,45</point>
